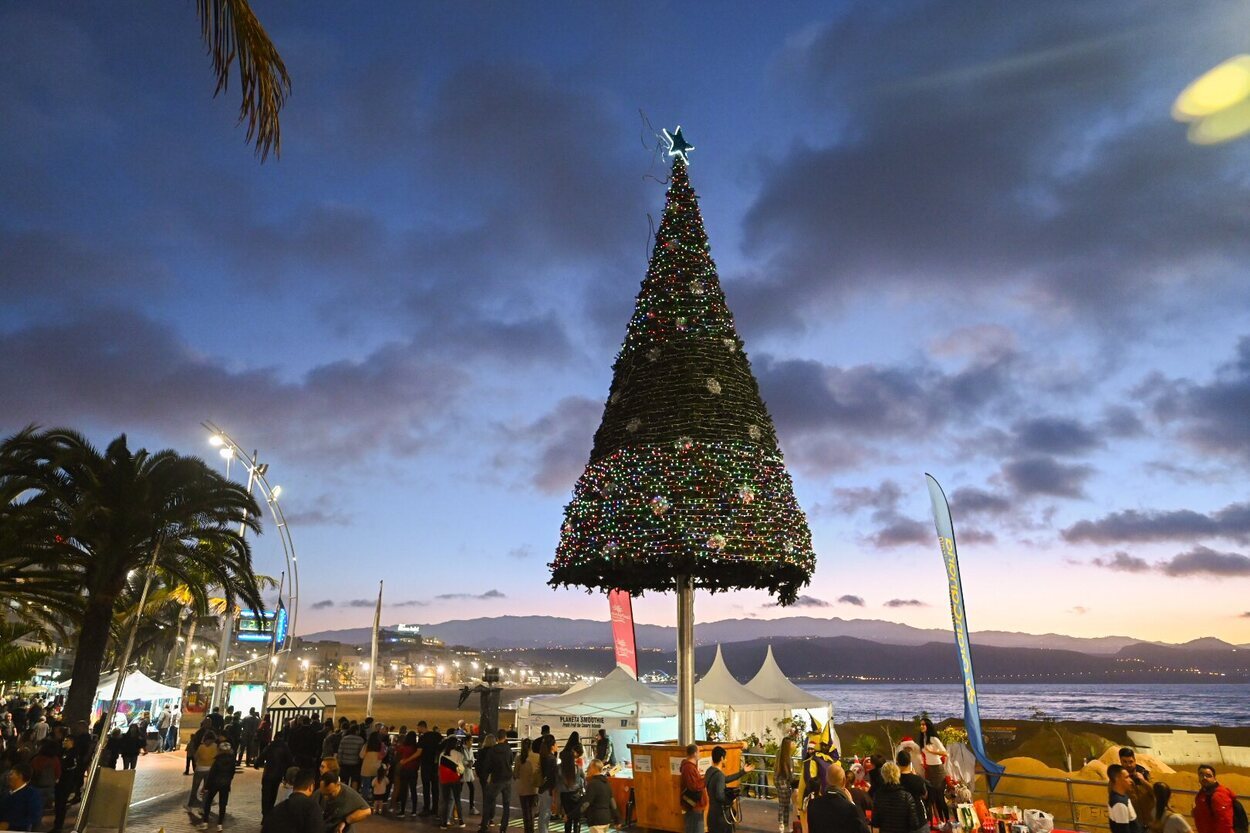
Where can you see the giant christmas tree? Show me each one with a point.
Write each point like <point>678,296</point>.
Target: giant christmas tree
<point>685,481</point>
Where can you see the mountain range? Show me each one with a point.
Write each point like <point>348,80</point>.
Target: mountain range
<point>536,632</point>
<point>842,659</point>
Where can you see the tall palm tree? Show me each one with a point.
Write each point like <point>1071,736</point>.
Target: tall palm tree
<point>101,516</point>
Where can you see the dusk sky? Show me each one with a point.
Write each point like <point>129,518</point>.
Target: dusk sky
<point>958,237</point>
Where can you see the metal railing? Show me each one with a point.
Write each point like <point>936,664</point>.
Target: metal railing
<point>1077,804</point>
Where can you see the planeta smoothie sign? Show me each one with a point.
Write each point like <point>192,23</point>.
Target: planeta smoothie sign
<point>578,722</point>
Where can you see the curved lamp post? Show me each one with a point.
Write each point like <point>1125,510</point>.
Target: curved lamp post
<point>256,476</point>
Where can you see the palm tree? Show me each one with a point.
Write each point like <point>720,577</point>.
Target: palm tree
<point>160,622</point>
<point>101,516</point>
<point>17,661</point>
<point>232,34</point>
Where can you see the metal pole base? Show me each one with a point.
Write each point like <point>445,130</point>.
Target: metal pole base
<point>685,661</point>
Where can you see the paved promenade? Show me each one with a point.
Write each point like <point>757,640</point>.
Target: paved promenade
<point>161,791</point>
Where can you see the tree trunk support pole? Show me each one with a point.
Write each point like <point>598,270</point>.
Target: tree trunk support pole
<point>685,661</point>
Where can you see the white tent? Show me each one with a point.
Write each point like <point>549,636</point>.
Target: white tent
<point>629,710</point>
<point>138,686</point>
<point>739,710</point>
<point>577,686</point>
<point>772,685</point>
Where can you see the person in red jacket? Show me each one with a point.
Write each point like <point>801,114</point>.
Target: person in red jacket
<point>1213,805</point>
<point>693,791</point>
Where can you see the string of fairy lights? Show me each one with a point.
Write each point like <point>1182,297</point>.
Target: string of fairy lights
<point>686,475</point>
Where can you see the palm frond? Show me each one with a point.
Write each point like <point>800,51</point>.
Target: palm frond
<point>232,34</point>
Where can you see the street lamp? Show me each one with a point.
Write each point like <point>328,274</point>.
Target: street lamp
<point>256,476</point>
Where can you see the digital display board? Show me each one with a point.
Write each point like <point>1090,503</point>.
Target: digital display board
<point>270,627</point>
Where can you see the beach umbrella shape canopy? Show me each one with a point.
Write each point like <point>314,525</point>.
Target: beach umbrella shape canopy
<point>685,478</point>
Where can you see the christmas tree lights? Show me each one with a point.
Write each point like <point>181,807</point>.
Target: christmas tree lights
<point>685,477</point>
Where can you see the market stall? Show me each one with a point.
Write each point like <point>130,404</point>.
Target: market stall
<point>630,711</point>
<point>740,711</point>
<point>770,684</point>
<point>140,693</point>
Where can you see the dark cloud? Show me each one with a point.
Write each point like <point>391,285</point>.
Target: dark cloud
<point>857,601</point>
<point>323,604</point>
<point>893,529</point>
<point>1054,435</point>
<point>554,447</point>
<point>522,552</point>
<point>495,269</point>
<point>1231,522</point>
<point>1210,417</point>
<point>902,532</point>
<point>322,510</point>
<point>1199,561</point>
<point>1203,561</point>
<point>1123,562</point>
<point>1032,476</point>
<point>969,500</point>
<point>882,499</point>
<point>806,601</point>
<point>408,603</point>
<point>1069,197</point>
<point>117,368</point>
<point>877,402</point>
<point>40,265</point>
<point>1120,421</point>
<point>361,603</point>
<point>489,594</point>
<point>906,603</point>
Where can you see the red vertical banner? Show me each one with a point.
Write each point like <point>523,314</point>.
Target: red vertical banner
<point>622,605</point>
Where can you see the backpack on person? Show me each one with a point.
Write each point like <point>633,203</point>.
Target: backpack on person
<point>1240,823</point>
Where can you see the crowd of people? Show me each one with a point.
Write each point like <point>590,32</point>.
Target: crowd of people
<point>914,793</point>
<point>1135,804</point>
<point>323,776</point>
<point>42,763</point>
<point>358,769</point>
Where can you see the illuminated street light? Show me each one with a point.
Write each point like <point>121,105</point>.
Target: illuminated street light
<point>231,451</point>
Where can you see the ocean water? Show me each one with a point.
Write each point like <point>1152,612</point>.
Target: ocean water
<point>1166,704</point>
<point>1216,704</point>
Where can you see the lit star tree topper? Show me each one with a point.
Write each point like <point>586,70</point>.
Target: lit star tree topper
<point>677,144</point>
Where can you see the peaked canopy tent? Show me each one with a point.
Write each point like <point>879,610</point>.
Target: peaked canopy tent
<point>139,693</point>
<point>741,711</point>
<point>772,685</point>
<point>577,686</point>
<point>629,710</point>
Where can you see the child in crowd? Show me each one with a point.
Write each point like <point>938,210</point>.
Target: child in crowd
<point>288,784</point>
<point>381,790</point>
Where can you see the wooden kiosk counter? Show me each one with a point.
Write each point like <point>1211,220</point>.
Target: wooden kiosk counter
<point>657,780</point>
